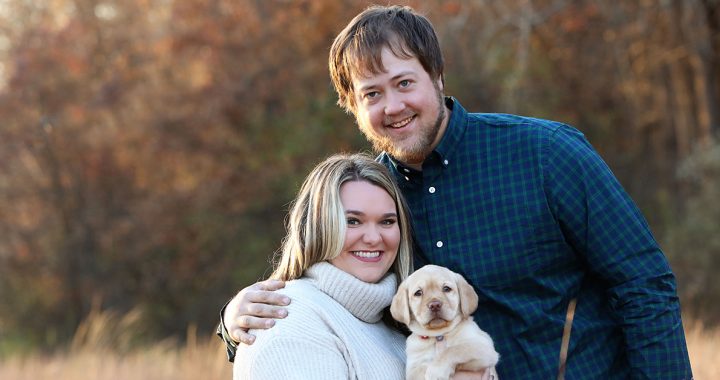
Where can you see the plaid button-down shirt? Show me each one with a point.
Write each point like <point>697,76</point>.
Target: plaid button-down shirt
<point>530,214</point>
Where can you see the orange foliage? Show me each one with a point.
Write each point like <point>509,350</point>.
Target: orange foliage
<point>150,148</point>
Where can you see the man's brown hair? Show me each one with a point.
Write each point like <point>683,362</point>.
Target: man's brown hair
<point>357,49</point>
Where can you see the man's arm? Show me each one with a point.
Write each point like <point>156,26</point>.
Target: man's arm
<point>254,307</point>
<point>603,225</point>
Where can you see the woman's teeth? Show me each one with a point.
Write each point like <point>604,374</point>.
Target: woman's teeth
<point>366,254</point>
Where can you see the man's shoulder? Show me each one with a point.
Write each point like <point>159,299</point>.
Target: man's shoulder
<point>516,123</point>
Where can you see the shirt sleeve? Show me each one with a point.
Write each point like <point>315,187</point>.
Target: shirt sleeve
<point>610,235</point>
<point>222,333</point>
<point>292,358</point>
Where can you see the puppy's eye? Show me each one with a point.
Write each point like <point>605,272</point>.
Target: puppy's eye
<point>446,289</point>
<point>418,293</point>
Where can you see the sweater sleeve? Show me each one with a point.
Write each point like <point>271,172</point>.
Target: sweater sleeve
<point>608,232</point>
<point>293,358</point>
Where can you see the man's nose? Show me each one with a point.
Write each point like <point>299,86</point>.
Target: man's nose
<point>394,103</point>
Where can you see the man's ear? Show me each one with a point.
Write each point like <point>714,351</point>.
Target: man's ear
<point>441,83</point>
<point>468,297</point>
<point>399,308</point>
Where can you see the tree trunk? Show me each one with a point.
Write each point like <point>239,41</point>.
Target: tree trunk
<point>712,63</point>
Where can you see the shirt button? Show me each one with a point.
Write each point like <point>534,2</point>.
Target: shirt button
<point>406,170</point>
<point>431,190</point>
<point>445,162</point>
<point>407,178</point>
<point>439,244</point>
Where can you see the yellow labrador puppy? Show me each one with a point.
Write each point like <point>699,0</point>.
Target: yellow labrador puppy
<point>435,303</point>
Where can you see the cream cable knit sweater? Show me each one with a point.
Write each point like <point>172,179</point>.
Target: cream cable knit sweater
<point>332,331</point>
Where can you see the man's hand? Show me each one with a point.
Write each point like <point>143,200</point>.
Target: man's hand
<point>486,374</point>
<point>254,308</point>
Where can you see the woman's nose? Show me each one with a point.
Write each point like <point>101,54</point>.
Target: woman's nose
<point>371,235</point>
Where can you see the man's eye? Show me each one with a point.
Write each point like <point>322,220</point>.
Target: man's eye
<point>418,293</point>
<point>372,94</point>
<point>446,288</point>
<point>404,83</point>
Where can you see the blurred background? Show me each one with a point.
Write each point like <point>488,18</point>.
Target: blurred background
<point>149,148</point>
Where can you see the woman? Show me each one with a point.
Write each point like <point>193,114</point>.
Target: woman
<point>347,247</point>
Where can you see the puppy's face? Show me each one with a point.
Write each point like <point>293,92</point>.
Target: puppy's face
<point>433,300</point>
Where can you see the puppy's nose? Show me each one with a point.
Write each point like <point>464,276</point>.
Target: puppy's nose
<point>435,305</point>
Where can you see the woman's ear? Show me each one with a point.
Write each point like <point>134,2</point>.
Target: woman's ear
<point>399,308</point>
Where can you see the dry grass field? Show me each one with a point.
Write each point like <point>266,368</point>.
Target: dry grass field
<point>704,348</point>
<point>204,361</point>
<point>91,357</point>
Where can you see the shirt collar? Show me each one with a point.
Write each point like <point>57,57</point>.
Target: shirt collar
<point>454,131</point>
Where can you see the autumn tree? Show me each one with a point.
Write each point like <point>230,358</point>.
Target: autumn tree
<point>149,148</point>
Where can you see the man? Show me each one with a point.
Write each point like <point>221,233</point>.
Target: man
<point>524,208</point>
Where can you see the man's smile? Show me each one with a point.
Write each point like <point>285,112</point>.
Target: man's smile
<point>400,123</point>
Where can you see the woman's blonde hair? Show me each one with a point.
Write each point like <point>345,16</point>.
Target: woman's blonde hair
<point>316,224</point>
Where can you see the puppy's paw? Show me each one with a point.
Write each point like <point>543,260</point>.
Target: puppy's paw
<point>438,372</point>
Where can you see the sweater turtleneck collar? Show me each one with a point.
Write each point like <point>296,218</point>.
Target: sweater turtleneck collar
<point>364,300</point>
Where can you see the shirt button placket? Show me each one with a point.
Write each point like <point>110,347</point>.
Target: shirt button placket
<point>432,190</point>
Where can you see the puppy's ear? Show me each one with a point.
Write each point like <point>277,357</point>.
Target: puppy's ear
<point>399,309</point>
<point>468,297</point>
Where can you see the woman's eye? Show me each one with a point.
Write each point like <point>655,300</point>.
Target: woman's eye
<point>352,221</point>
<point>418,293</point>
<point>372,94</point>
<point>389,222</point>
<point>446,289</point>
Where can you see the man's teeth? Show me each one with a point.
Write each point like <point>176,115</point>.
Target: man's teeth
<point>366,254</point>
<point>401,123</point>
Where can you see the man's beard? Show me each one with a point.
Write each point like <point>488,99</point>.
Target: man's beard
<point>422,147</point>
